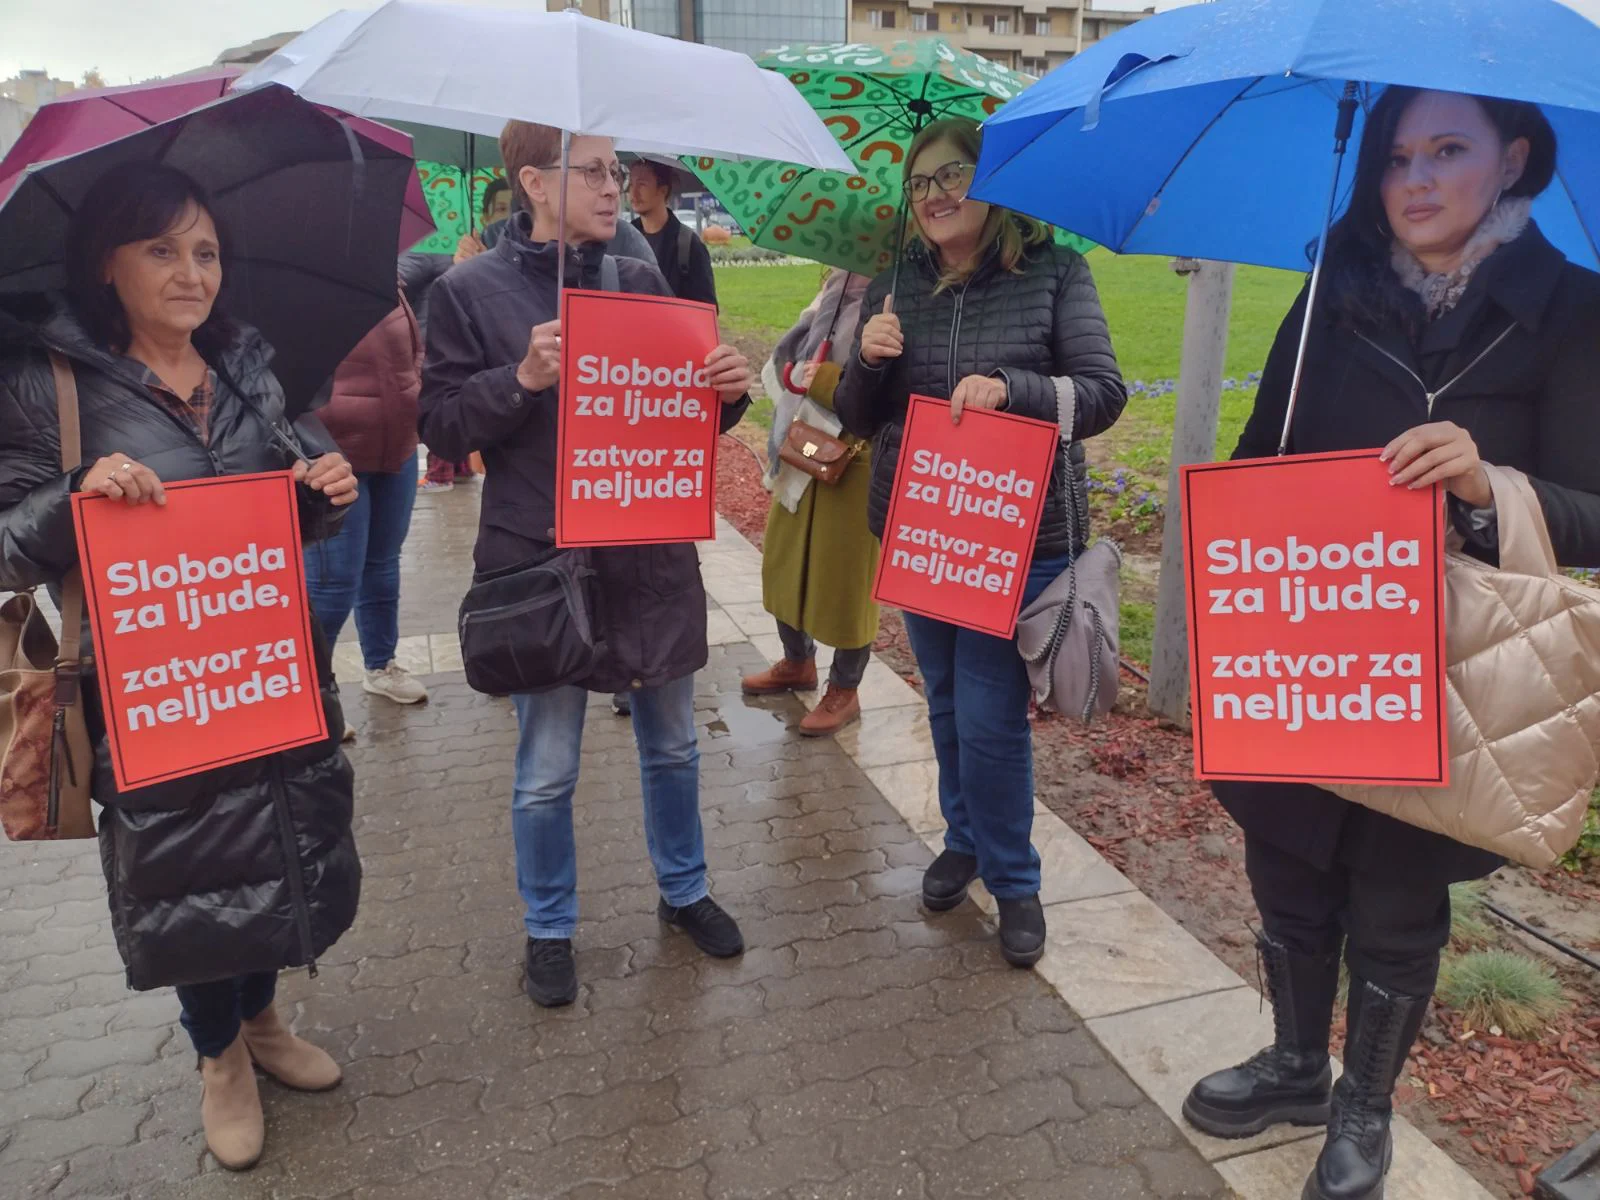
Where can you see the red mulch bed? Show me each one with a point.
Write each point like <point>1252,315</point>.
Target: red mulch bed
<point>1504,1109</point>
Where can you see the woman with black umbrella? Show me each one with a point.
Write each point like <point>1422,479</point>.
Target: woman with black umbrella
<point>217,881</point>
<point>1452,333</point>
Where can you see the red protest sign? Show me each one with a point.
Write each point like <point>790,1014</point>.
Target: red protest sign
<point>202,635</point>
<point>1316,624</point>
<point>638,442</point>
<point>964,515</point>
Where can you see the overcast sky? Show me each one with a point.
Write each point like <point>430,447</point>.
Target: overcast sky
<point>130,40</point>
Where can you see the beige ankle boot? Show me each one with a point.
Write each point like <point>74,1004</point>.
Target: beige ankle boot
<point>293,1062</point>
<point>230,1108</point>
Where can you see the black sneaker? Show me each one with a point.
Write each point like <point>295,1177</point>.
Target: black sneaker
<point>708,926</point>
<point>944,883</point>
<point>549,976</point>
<point>622,704</point>
<point>1021,931</point>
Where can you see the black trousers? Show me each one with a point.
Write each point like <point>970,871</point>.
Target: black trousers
<point>1393,927</point>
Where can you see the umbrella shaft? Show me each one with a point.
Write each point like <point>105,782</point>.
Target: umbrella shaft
<point>1341,142</point>
<point>561,221</point>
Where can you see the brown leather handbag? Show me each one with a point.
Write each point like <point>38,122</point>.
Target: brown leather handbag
<point>820,455</point>
<point>45,754</point>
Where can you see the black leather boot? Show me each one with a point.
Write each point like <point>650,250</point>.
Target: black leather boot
<point>1356,1156</point>
<point>1291,1080</point>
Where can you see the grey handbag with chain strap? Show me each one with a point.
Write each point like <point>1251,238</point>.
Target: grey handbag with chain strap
<point>1068,635</point>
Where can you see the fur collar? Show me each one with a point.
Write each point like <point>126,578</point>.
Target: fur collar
<point>1505,223</point>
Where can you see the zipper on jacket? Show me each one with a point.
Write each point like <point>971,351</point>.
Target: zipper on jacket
<point>955,338</point>
<point>292,869</point>
<point>1462,374</point>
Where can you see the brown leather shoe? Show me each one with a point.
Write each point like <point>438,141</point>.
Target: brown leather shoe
<point>839,707</point>
<point>293,1062</point>
<point>785,675</point>
<point>230,1108</point>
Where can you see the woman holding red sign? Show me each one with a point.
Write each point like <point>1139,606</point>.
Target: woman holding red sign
<point>217,880</point>
<point>989,314</point>
<point>1451,333</point>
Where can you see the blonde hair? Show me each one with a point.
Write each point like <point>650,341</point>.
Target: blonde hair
<point>1014,233</point>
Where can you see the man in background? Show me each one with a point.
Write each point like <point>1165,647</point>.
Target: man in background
<point>680,254</point>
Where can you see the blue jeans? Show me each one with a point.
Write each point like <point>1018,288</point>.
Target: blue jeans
<point>978,694</point>
<point>549,747</point>
<point>359,568</point>
<point>212,1011</point>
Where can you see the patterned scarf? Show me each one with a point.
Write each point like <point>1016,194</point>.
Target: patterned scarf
<point>1440,293</point>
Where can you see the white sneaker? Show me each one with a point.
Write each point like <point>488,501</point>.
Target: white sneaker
<point>395,683</point>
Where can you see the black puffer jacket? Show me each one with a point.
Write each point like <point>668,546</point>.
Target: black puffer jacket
<point>245,868</point>
<point>1031,327</point>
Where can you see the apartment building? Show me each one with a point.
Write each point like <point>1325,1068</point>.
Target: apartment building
<point>1029,35</point>
<point>750,26</point>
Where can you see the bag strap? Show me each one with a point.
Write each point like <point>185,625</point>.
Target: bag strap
<point>610,276</point>
<point>68,663</point>
<point>1524,535</point>
<point>685,256</point>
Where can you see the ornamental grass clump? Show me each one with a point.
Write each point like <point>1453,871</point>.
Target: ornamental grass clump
<point>1498,991</point>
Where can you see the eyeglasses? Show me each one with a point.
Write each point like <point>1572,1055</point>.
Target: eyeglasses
<point>594,174</point>
<point>951,178</point>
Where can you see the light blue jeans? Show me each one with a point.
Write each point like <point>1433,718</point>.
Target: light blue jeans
<point>549,751</point>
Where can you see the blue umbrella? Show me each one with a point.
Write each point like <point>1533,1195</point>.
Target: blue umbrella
<point>1206,131</point>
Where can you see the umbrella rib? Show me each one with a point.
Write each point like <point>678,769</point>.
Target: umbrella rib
<point>1577,211</point>
<point>123,107</point>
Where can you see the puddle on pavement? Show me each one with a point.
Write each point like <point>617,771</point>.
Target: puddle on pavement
<point>746,724</point>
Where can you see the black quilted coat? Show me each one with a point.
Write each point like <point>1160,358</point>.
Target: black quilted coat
<point>1029,327</point>
<point>245,868</point>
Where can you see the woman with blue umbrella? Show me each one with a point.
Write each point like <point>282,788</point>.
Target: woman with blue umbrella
<point>1450,331</point>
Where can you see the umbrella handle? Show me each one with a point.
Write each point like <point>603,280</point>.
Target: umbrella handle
<point>788,368</point>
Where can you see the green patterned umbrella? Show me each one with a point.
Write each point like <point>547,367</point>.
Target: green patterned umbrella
<point>874,99</point>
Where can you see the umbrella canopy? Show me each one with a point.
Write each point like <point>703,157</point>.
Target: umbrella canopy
<point>1206,131</point>
<point>310,207</point>
<point>873,99</point>
<point>471,69</point>
<point>82,120</point>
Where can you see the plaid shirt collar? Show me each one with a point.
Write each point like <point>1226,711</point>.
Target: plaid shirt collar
<point>195,411</point>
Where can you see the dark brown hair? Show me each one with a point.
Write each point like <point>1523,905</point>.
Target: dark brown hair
<point>663,176</point>
<point>1014,233</point>
<point>1362,288</point>
<point>134,202</point>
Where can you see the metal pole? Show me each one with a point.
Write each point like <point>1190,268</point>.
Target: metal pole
<point>1341,140</point>
<point>1194,440</point>
<point>561,221</point>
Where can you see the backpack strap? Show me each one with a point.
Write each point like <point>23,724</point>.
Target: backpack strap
<point>685,257</point>
<point>610,277</point>
<point>69,666</point>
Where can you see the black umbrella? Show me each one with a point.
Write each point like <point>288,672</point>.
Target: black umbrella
<point>310,207</point>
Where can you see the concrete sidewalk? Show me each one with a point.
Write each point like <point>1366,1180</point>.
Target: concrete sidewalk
<point>861,1048</point>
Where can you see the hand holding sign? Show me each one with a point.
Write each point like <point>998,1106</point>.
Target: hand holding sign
<point>729,372</point>
<point>1440,453</point>
<point>118,477</point>
<point>976,391</point>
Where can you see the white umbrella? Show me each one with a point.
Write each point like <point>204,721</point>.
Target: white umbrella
<point>473,69</point>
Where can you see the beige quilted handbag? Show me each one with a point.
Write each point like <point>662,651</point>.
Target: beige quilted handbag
<point>1523,665</point>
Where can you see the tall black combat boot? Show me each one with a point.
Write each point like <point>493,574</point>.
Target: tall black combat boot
<point>1291,1080</point>
<point>1356,1156</point>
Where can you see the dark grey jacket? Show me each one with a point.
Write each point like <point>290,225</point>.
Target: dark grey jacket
<point>652,605</point>
<point>1030,327</point>
<point>245,868</point>
<point>1530,404</point>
